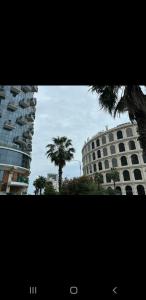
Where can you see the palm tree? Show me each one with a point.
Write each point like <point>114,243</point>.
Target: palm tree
<point>118,99</point>
<point>60,152</point>
<point>98,178</point>
<point>39,184</point>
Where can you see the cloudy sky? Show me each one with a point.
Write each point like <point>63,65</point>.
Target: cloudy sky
<point>71,111</point>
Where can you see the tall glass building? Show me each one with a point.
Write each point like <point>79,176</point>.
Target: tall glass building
<point>17,114</point>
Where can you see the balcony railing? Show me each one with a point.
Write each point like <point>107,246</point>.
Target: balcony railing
<point>24,103</point>
<point>23,179</point>
<point>19,140</point>
<point>28,135</point>
<point>12,106</point>
<point>26,88</point>
<point>33,102</point>
<point>15,89</point>
<point>2,92</point>
<point>21,121</point>
<point>8,125</point>
<point>34,88</point>
<point>30,117</point>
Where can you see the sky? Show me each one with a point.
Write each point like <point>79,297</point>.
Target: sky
<point>71,111</point>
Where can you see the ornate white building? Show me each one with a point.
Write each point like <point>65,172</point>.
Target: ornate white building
<point>117,148</point>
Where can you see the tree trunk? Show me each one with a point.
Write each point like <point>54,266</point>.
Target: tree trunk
<point>60,177</point>
<point>141,123</point>
<point>114,185</point>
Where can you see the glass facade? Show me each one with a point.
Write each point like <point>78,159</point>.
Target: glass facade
<point>17,114</point>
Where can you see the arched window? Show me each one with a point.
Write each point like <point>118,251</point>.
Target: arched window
<point>118,190</point>
<point>121,147</point>
<point>97,143</point>
<point>100,166</point>
<point>129,190</point>
<point>90,168</point>
<point>140,190</point>
<point>132,145</point>
<point>106,163</point>
<point>111,137</point>
<point>126,175</point>
<point>104,151</point>
<point>112,148</point>
<point>144,158</point>
<point>94,166</point>
<point>93,155</point>
<point>119,134</point>
<point>123,161</point>
<point>114,162</point>
<point>108,179</point>
<point>93,146</point>
<point>137,174</point>
<point>103,139</point>
<point>134,159</point>
<point>129,132</point>
<point>98,153</point>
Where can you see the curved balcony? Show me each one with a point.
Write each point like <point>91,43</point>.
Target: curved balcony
<point>2,92</point>
<point>15,89</point>
<point>12,106</point>
<point>33,102</point>
<point>24,103</point>
<point>34,88</point>
<point>28,135</point>
<point>19,140</point>
<point>30,117</point>
<point>21,120</point>
<point>8,125</point>
<point>26,88</point>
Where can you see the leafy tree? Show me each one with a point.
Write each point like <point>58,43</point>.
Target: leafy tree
<point>113,175</point>
<point>49,189</point>
<point>39,184</point>
<point>60,152</point>
<point>83,185</point>
<point>118,99</point>
<point>98,178</point>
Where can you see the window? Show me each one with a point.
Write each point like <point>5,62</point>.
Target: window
<point>119,134</point>
<point>144,158</point>
<point>129,132</point>
<point>123,161</point>
<point>103,139</point>
<point>104,151</point>
<point>108,179</point>
<point>90,157</point>
<point>93,146</point>
<point>95,169</point>
<point>137,174</point>
<point>106,164</point>
<point>118,190</point>
<point>140,190</point>
<point>100,166</point>
<point>134,159</point>
<point>114,162</point>
<point>111,137</point>
<point>98,153</point>
<point>112,148</point>
<point>126,175</point>
<point>121,147</point>
<point>129,190</point>
<point>97,143</point>
<point>132,145</point>
<point>90,167</point>
<point>93,155</point>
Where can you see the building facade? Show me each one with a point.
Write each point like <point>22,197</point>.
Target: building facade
<point>17,114</point>
<point>117,148</point>
<point>51,177</point>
